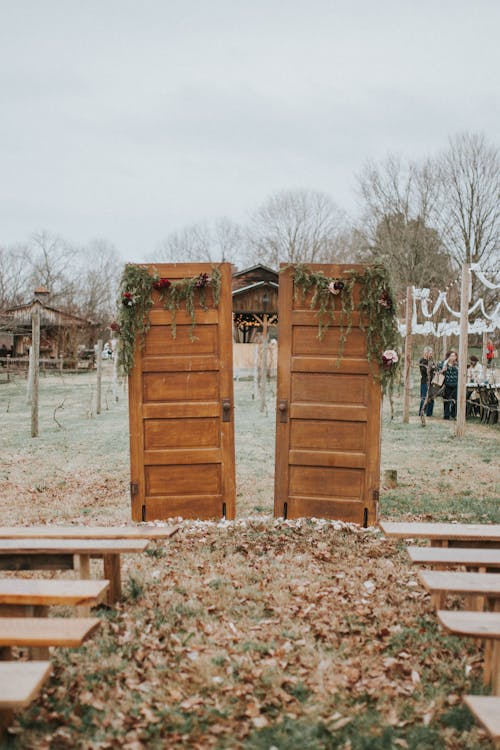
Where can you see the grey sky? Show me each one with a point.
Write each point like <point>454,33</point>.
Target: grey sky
<point>127,120</point>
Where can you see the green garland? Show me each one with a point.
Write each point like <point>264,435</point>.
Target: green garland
<point>136,300</point>
<point>376,307</point>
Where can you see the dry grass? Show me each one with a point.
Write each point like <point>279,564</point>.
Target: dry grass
<point>258,634</point>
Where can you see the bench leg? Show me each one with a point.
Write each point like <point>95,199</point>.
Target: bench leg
<point>112,574</point>
<point>495,668</point>
<point>6,719</point>
<point>83,566</point>
<point>5,653</point>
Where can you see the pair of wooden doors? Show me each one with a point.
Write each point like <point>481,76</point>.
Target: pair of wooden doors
<point>182,413</point>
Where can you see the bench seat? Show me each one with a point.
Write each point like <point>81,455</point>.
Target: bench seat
<point>87,532</point>
<point>41,632</point>
<point>453,556</point>
<point>486,709</point>
<point>20,682</point>
<point>44,593</point>
<point>473,624</point>
<point>445,534</point>
<point>456,582</point>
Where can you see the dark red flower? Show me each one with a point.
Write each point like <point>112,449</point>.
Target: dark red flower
<point>202,280</point>
<point>161,283</point>
<point>115,326</point>
<point>385,300</point>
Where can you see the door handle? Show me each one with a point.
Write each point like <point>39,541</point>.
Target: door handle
<point>283,409</point>
<point>226,410</point>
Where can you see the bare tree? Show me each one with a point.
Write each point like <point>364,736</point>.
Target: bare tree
<point>399,201</point>
<point>99,272</point>
<point>202,243</point>
<point>468,213</point>
<point>52,263</point>
<point>14,285</point>
<point>296,226</point>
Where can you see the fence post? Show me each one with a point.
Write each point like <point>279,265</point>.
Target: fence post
<point>35,363</point>
<point>462,350</point>
<point>408,354</point>
<point>99,375</point>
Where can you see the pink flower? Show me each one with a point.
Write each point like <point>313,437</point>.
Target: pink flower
<point>389,358</point>
<point>335,287</point>
<point>202,280</point>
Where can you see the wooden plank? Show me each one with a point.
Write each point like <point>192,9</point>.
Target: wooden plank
<point>175,364</point>
<point>473,624</point>
<point>471,557</point>
<point>486,709</point>
<point>345,459</point>
<point>200,432</point>
<point>183,456</point>
<point>181,409</point>
<point>50,592</point>
<point>64,632</point>
<point>334,412</point>
<point>462,531</point>
<point>113,574</point>
<point>312,434</point>
<point>32,561</point>
<point>178,480</point>
<point>303,317</point>
<point>88,532</point>
<point>456,582</point>
<point>21,681</point>
<point>207,506</point>
<point>348,509</point>
<point>356,366</point>
<point>180,386</point>
<point>162,317</point>
<point>72,546</point>
<point>160,342</point>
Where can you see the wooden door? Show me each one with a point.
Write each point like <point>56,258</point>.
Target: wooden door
<point>328,414</point>
<point>181,408</point>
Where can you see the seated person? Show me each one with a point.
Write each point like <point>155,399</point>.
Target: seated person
<point>474,371</point>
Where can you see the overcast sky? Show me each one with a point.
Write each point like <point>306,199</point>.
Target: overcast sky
<point>129,119</point>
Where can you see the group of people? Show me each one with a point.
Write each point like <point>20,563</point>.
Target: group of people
<point>448,369</point>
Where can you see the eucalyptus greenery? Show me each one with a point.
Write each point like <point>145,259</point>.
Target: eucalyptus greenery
<point>376,307</point>
<point>136,299</point>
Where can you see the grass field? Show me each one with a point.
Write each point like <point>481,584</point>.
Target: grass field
<point>256,634</point>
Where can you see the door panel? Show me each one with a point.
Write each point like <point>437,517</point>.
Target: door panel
<point>181,437</point>
<point>328,415</point>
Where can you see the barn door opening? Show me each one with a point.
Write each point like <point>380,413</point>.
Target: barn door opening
<point>327,416</point>
<point>181,408</point>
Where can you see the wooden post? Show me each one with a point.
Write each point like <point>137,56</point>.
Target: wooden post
<point>99,375</point>
<point>29,381</point>
<point>35,346</point>
<point>462,350</point>
<point>408,355</point>
<point>263,364</point>
<point>484,361</point>
<point>115,370</point>
<point>445,343</point>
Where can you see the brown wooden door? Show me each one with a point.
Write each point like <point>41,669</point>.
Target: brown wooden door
<point>181,409</point>
<point>328,415</point>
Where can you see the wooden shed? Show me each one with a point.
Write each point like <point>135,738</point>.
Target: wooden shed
<point>255,303</point>
<point>60,331</point>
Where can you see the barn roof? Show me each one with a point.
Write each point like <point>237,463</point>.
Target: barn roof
<point>258,266</point>
<point>253,286</point>
<point>19,316</point>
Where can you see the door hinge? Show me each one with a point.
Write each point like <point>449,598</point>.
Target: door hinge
<point>224,510</point>
<point>376,496</point>
<point>143,513</point>
<point>365,518</point>
<point>134,489</point>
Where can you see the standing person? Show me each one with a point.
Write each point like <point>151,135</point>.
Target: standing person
<point>475,370</point>
<point>490,353</point>
<point>450,369</point>
<point>427,370</point>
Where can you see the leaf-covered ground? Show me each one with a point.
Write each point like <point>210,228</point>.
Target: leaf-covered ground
<point>256,634</point>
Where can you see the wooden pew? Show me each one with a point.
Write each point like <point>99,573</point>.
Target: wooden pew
<point>88,532</point>
<point>478,625</point>
<point>486,709</point>
<point>446,534</point>
<point>20,683</point>
<point>43,632</point>
<point>21,596</point>
<point>439,583</point>
<point>445,557</point>
<point>66,554</point>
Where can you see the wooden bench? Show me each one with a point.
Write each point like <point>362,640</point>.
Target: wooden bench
<point>42,632</point>
<point>20,596</point>
<point>486,709</point>
<point>446,534</point>
<point>66,554</point>
<point>444,557</point>
<point>88,532</point>
<point>478,625</point>
<point>439,583</point>
<point>20,683</point>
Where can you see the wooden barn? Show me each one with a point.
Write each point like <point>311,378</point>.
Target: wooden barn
<point>60,332</point>
<point>255,303</point>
